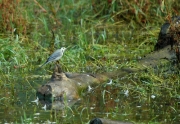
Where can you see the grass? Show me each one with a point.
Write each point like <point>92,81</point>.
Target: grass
<point>101,37</point>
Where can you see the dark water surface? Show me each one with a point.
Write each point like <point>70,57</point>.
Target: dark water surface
<point>120,100</point>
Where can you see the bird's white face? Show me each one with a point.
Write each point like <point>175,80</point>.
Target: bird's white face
<point>63,49</point>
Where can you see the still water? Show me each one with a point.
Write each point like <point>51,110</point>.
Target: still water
<point>119,100</point>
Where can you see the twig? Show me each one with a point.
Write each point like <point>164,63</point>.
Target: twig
<point>40,6</point>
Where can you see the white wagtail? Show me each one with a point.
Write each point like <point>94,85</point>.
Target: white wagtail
<point>55,56</point>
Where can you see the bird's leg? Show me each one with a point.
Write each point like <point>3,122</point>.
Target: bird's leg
<point>57,63</point>
<point>59,67</point>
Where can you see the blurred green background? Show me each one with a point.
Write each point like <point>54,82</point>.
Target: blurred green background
<point>101,36</point>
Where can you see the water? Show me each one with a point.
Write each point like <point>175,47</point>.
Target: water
<point>124,100</point>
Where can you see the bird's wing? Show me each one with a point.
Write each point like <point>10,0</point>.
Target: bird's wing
<point>55,55</point>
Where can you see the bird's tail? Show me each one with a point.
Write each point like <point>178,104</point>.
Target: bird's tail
<point>41,66</point>
<point>44,64</point>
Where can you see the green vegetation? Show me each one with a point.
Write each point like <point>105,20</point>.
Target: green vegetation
<point>101,36</point>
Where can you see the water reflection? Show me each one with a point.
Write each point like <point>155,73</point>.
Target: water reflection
<point>119,101</point>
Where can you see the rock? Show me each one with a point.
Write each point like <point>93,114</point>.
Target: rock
<point>106,121</point>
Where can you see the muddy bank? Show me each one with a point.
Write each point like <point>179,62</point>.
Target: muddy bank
<point>155,58</point>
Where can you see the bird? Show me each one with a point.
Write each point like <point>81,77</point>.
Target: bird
<point>55,56</point>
